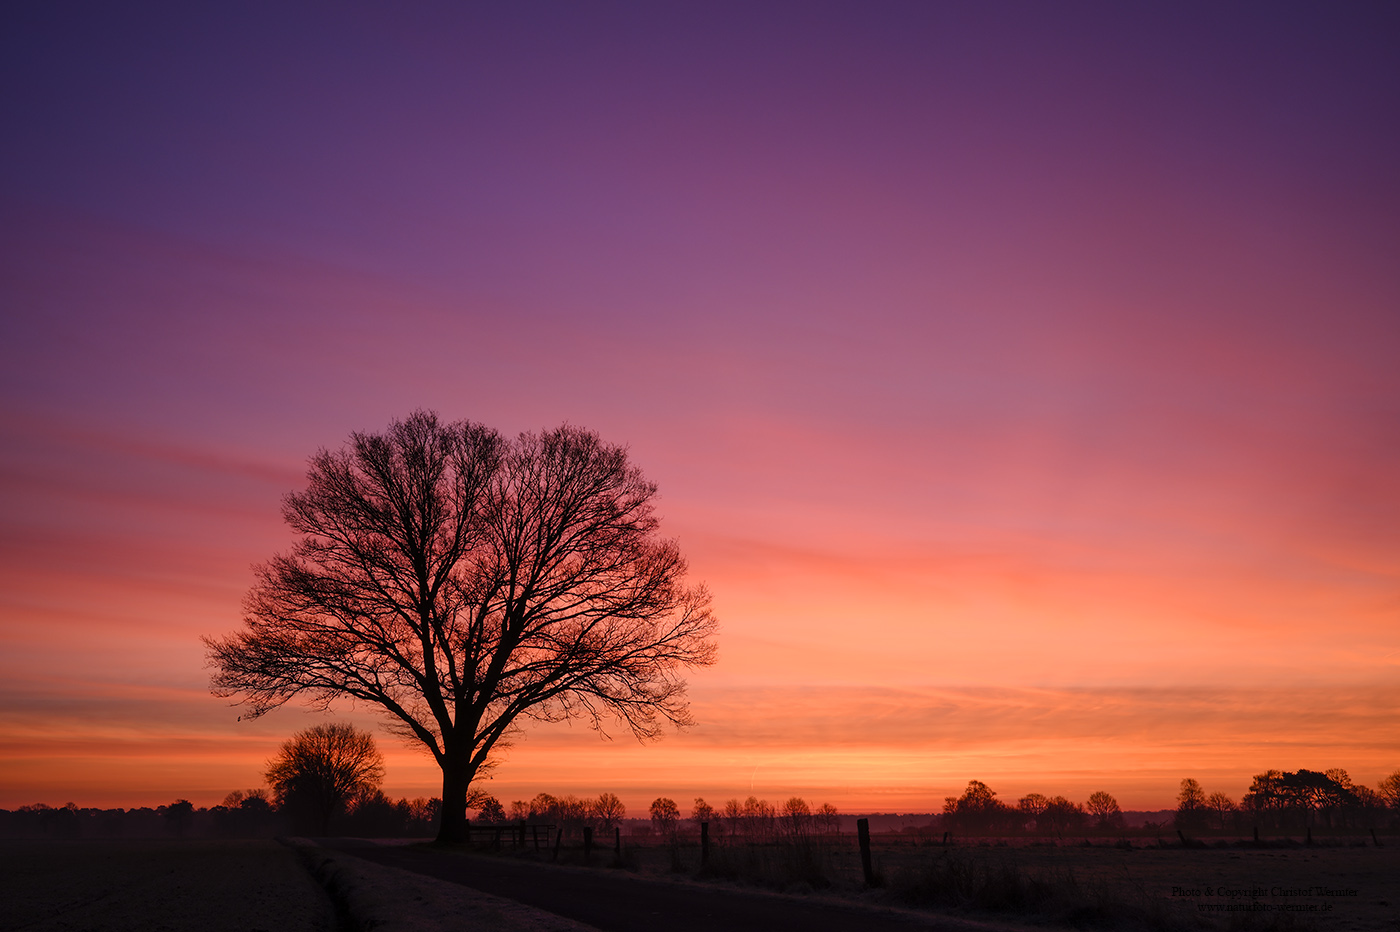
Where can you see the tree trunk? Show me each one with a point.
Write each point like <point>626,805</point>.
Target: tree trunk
<point>456,778</point>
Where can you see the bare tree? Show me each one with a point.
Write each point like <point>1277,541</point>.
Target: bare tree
<point>733,817</point>
<point>760,818</point>
<point>1105,810</point>
<point>828,818</point>
<point>464,583</point>
<point>323,769</point>
<point>797,817</point>
<point>1191,806</point>
<point>1191,795</point>
<point>701,812</point>
<point>977,810</point>
<point>1222,805</point>
<point>1062,815</point>
<point>665,817</point>
<point>608,811</point>
<point>488,808</point>
<point>1389,790</point>
<point>1031,806</point>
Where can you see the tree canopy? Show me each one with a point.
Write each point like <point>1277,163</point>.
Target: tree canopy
<point>321,770</point>
<point>463,582</point>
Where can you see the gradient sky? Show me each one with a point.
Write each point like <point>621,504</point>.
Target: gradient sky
<point>1023,379</point>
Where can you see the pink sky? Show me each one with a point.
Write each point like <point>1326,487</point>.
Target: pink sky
<point>1023,388</point>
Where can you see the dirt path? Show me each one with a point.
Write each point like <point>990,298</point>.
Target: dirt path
<point>615,902</point>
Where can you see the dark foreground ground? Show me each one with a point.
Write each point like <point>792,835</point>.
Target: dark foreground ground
<point>158,885</point>
<point>1281,888</point>
<point>207,885</point>
<point>171,885</point>
<point>615,901</point>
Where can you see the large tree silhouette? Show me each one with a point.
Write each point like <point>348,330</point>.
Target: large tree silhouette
<point>464,582</point>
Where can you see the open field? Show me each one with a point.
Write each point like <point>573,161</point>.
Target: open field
<point>1351,888</point>
<point>151,885</point>
<point>229,885</point>
<point>1345,886</point>
<point>122,885</point>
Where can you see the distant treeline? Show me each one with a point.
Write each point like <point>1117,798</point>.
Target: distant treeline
<point>243,814</point>
<point>1277,800</point>
<point>1292,801</point>
<point>752,818</point>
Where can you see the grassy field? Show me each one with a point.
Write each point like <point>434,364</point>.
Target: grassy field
<point>1346,885</point>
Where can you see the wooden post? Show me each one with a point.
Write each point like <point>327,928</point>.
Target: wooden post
<point>522,833</point>
<point>535,830</point>
<point>863,834</point>
<point>1256,834</point>
<point>704,843</point>
<point>617,842</point>
<point>945,839</point>
<point>1375,839</point>
<point>587,843</point>
<point>558,837</point>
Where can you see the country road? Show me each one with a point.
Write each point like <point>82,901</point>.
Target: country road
<point>619,902</point>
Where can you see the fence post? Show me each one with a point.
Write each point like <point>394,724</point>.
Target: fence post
<point>704,843</point>
<point>587,843</point>
<point>617,842</point>
<point>558,837</point>
<point>535,831</point>
<point>863,833</point>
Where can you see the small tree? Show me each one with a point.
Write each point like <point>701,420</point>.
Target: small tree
<point>828,818</point>
<point>1031,807</point>
<point>488,809</point>
<point>665,816</point>
<point>1389,790</point>
<point>977,810</point>
<point>1062,815</point>
<point>760,818</point>
<point>797,817</point>
<point>249,810</point>
<point>1190,805</point>
<point>701,812</point>
<point>1222,805</point>
<point>1104,808</point>
<point>544,806</point>
<point>608,811</point>
<point>733,817</point>
<point>572,814</point>
<point>321,770</point>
